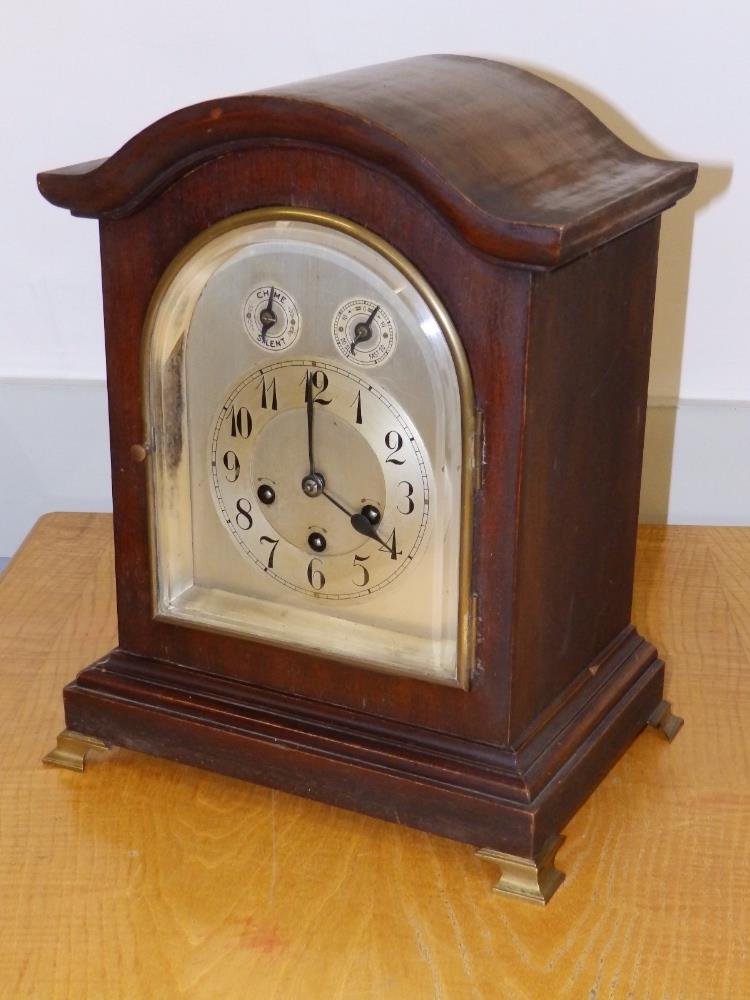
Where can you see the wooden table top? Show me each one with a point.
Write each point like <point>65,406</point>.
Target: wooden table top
<point>143,878</point>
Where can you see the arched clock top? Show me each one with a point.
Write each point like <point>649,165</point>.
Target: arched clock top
<point>523,171</point>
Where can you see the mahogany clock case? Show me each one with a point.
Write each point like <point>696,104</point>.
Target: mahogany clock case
<point>538,230</point>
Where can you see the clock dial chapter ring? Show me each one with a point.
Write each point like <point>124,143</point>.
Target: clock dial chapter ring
<point>364,515</point>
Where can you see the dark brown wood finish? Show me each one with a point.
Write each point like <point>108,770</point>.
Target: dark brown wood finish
<point>438,789</point>
<point>486,301</point>
<point>470,172</point>
<point>587,379</point>
<point>519,167</point>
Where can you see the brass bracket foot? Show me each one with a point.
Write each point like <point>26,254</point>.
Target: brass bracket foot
<point>71,750</point>
<point>662,719</point>
<point>533,879</point>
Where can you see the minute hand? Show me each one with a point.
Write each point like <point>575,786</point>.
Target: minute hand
<point>310,415</point>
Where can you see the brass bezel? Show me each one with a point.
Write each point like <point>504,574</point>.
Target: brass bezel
<point>470,452</point>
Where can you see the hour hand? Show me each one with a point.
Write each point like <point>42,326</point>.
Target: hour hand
<point>360,523</point>
<point>363,522</point>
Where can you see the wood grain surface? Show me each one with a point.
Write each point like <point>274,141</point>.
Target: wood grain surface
<point>521,169</point>
<point>147,879</point>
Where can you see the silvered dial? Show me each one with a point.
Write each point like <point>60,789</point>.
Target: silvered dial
<point>320,478</point>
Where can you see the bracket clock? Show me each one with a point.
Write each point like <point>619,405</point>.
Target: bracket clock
<point>377,356</point>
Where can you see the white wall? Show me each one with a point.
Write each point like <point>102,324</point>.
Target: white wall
<point>80,78</point>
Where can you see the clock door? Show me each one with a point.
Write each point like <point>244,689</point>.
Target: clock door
<point>312,424</point>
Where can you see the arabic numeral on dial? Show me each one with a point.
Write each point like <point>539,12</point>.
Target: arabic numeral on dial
<point>232,465</point>
<point>407,498</point>
<point>273,542</point>
<point>268,395</point>
<point>315,576</point>
<point>358,560</point>
<point>316,383</point>
<point>394,442</point>
<point>242,422</point>
<point>243,517</point>
<point>390,546</point>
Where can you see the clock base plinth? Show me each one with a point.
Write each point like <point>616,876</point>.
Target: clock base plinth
<point>71,749</point>
<point>534,880</point>
<point>509,800</point>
